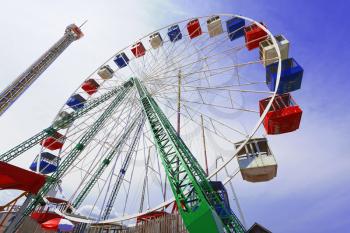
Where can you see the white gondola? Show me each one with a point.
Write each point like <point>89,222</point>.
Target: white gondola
<point>156,40</point>
<point>267,50</point>
<point>105,72</point>
<point>256,160</point>
<point>214,26</point>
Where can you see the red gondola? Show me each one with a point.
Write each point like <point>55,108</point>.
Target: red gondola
<point>90,86</point>
<point>194,28</point>
<point>284,115</point>
<point>53,142</point>
<point>254,35</point>
<point>138,49</point>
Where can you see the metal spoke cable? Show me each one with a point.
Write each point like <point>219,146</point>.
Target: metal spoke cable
<point>214,105</point>
<point>118,144</point>
<point>187,57</point>
<point>195,121</point>
<point>145,180</point>
<point>102,143</point>
<point>122,172</point>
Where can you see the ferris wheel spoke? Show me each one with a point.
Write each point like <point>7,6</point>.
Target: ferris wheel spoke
<point>158,60</point>
<point>174,55</point>
<point>118,156</point>
<point>81,130</point>
<point>187,78</point>
<point>90,115</point>
<point>184,49</point>
<point>217,88</point>
<point>204,58</point>
<point>201,98</point>
<point>216,42</point>
<point>129,186</point>
<point>191,113</point>
<point>220,70</point>
<point>120,177</point>
<point>214,105</point>
<point>170,49</point>
<point>166,55</point>
<point>103,143</point>
<point>212,121</point>
<point>145,180</point>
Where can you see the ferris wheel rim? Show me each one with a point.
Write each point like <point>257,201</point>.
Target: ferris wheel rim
<point>251,134</point>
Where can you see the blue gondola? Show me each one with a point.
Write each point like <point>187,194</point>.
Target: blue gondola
<point>235,28</point>
<point>291,76</point>
<point>174,33</point>
<point>48,163</point>
<point>121,60</point>
<point>76,102</point>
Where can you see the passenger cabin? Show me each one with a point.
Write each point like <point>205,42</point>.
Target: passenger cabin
<point>138,49</point>
<point>268,53</point>
<point>284,115</point>
<point>106,72</point>
<point>291,76</point>
<point>48,163</point>
<point>121,60</point>
<point>76,102</point>
<point>194,28</point>
<point>254,35</point>
<point>53,142</point>
<point>224,210</point>
<point>235,28</point>
<point>256,161</point>
<point>214,26</point>
<point>174,33</point>
<point>156,40</point>
<point>90,86</point>
<point>63,120</point>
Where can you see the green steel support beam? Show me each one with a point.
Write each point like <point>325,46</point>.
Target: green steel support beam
<point>194,195</point>
<point>104,164</point>
<point>29,143</point>
<point>69,159</point>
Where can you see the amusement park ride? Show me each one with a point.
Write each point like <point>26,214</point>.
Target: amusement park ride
<point>9,95</point>
<point>203,70</point>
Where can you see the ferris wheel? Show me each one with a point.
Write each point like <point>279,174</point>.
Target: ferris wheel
<point>169,121</point>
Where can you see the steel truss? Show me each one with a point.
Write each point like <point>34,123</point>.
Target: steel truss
<point>194,195</point>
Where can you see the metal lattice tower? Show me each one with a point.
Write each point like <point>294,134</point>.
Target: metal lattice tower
<point>9,95</point>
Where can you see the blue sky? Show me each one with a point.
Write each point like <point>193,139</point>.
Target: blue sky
<point>310,193</point>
